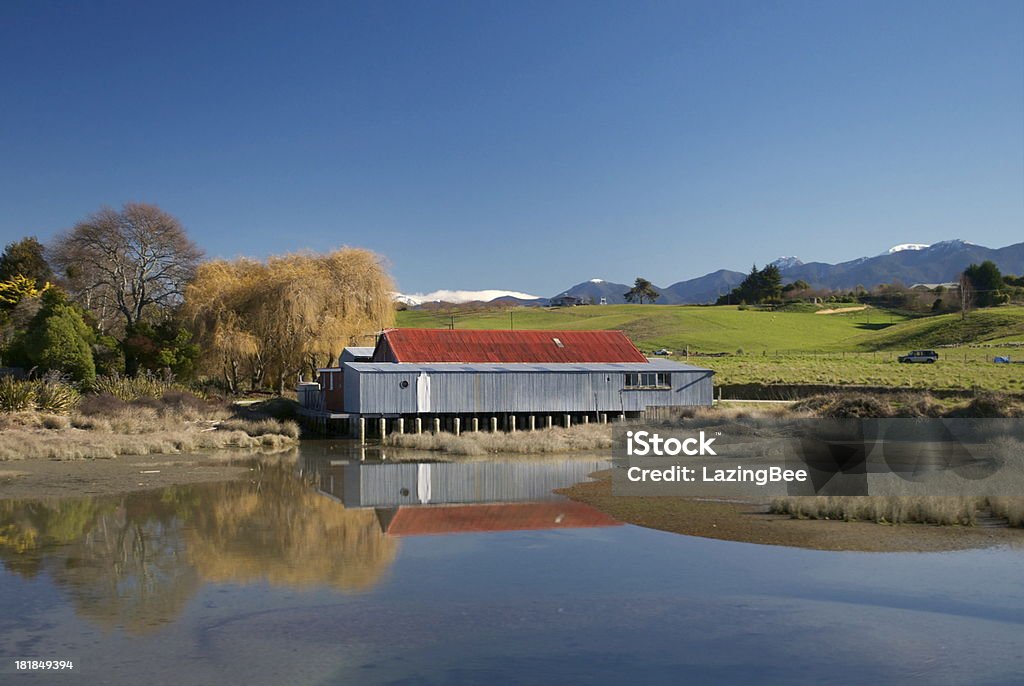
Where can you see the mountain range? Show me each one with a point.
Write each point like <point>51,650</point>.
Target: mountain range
<point>909,263</point>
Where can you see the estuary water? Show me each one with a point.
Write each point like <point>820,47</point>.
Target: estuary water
<point>331,570</point>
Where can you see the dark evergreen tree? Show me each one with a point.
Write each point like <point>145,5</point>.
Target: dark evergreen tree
<point>26,257</point>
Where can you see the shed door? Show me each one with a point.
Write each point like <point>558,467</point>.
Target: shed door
<point>423,392</point>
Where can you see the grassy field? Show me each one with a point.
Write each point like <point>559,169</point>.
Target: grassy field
<point>957,369</point>
<point>707,329</point>
<point>792,347</point>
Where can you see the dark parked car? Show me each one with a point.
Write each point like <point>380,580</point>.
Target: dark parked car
<point>926,356</point>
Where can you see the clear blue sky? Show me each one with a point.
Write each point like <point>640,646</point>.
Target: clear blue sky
<point>522,145</point>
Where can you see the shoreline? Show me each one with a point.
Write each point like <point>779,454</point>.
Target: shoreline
<point>751,522</point>
<point>43,479</point>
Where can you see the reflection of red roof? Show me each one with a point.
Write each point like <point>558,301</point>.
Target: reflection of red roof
<point>450,519</point>
<point>463,345</point>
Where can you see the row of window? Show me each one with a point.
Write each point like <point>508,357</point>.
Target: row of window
<point>648,380</point>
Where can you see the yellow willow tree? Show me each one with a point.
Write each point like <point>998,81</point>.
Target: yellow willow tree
<point>289,315</point>
<point>213,310</point>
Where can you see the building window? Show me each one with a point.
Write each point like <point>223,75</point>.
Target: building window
<point>649,380</point>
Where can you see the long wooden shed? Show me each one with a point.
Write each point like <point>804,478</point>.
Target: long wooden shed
<point>524,377</point>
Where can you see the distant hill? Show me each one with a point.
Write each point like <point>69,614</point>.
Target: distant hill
<point>909,263</point>
<point>703,289</point>
<point>937,263</point>
<point>592,291</point>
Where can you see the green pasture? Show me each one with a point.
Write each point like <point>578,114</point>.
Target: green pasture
<point>957,369</point>
<point>729,329</point>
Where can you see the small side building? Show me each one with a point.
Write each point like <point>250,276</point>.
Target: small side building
<point>521,379</point>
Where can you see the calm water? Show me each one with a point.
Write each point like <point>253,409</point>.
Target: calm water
<point>331,572</point>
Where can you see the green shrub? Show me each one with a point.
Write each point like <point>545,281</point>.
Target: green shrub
<point>57,340</point>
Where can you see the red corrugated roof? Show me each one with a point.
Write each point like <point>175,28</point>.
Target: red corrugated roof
<point>449,519</point>
<point>470,346</point>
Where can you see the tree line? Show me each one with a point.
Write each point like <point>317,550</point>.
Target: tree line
<point>127,291</point>
<point>979,285</point>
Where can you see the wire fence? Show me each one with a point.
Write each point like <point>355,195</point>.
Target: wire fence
<point>975,353</point>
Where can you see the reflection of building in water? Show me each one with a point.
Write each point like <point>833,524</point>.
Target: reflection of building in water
<point>389,485</point>
<point>433,498</point>
<point>460,519</point>
<point>135,561</point>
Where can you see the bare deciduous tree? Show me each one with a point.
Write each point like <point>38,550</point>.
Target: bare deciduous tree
<point>126,266</point>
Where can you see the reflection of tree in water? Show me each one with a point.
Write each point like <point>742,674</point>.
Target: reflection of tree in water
<point>29,527</point>
<point>281,531</point>
<point>129,569</point>
<point>136,560</point>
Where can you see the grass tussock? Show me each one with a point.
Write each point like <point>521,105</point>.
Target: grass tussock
<point>942,510</point>
<point>908,405</point>
<point>553,440</point>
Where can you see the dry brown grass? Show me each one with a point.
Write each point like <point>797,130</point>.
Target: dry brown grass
<point>739,411</point>
<point>77,444</point>
<point>261,427</point>
<point>108,428</point>
<point>946,510</point>
<point>553,440</point>
<point>909,405</point>
<point>1011,509</point>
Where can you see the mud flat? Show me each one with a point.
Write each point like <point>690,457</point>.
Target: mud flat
<point>751,522</point>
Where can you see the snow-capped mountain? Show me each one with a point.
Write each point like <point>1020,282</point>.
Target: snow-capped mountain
<point>907,246</point>
<point>459,297</point>
<point>787,262</point>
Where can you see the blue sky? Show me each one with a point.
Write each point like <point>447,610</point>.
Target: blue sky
<point>522,145</point>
